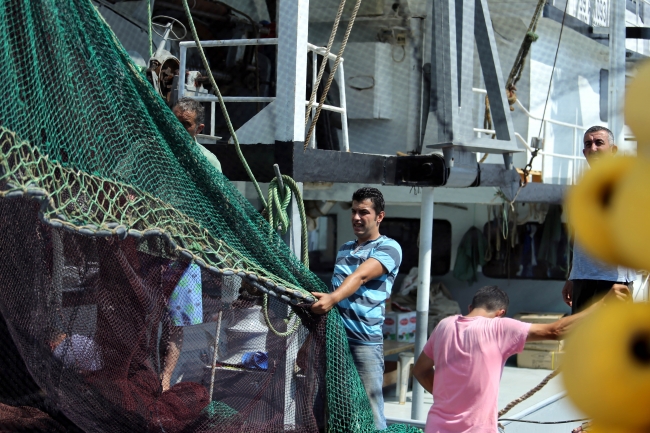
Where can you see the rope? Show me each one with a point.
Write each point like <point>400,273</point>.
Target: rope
<point>517,66</point>
<point>541,125</point>
<point>290,330</point>
<point>277,211</point>
<point>278,219</point>
<point>557,50</point>
<point>520,60</point>
<point>487,118</point>
<point>544,422</point>
<point>332,73</point>
<point>279,203</point>
<point>149,28</point>
<point>221,102</point>
<point>314,90</point>
<point>528,394</point>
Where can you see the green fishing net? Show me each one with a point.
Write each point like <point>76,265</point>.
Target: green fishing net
<point>105,203</point>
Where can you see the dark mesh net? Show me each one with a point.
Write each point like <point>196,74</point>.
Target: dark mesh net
<point>139,291</point>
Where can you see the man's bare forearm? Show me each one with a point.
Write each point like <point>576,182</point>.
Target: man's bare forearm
<point>350,285</point>
<point>426,379</point>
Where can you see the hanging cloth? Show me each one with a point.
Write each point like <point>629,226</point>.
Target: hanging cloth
<point>551,236</point>
<point>471,254</point>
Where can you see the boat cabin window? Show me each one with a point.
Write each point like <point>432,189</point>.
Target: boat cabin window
<point>406,232</point>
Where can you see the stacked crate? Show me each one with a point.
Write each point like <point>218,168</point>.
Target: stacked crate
<point>540,354</point>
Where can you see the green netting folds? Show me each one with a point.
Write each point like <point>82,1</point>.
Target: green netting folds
<point>86,138</point>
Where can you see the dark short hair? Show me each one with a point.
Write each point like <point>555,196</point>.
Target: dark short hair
<point>492,298</point>
<point>610,135</point>
<point>370,193</point>
<point>189,104</point>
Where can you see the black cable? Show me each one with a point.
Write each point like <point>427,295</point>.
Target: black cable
<point>245,15</point>
<point>544,422</point>
<point>116,12</point>
<point>557,50</point>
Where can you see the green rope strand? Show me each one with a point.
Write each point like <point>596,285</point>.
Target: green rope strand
<point>222,104</point>
<point>279,220</point>
<point>278,204</point>
<point>290,330</point>
<point>149,28</point>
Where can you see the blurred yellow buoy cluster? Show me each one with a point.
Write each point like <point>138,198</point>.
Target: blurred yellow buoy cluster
<point>607,365</point>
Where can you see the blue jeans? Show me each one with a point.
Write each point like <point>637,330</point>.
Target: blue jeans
<point>369,360</point>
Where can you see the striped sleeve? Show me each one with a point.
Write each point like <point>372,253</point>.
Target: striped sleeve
<point>389,254</point>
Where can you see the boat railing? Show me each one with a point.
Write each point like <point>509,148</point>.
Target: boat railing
<point>340,75</point>
<point>575,159</point>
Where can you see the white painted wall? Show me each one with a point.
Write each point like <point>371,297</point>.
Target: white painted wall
<point>510,22</point>
<point>377,136</point>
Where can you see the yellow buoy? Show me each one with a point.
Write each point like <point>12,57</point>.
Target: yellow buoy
<point>606,369</point>
<point>589,206</point>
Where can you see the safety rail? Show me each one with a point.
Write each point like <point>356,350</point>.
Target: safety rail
<point>641,46</point>
<point>596,14</point>
<point>576,159</point>
<point>593,12</point>
<point>266,99</point>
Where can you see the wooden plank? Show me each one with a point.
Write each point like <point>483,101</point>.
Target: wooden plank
<point>392,347</point>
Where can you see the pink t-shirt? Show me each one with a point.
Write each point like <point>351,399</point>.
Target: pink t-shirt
<point>469,354</point>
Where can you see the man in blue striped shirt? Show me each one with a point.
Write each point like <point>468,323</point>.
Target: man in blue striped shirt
<point>363,278</point>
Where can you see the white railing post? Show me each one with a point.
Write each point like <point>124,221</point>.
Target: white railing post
<point>575,157</point>
<point>344,107</point>
<point>213,106</point>
<point>266,99</point>
<point>543,148</point>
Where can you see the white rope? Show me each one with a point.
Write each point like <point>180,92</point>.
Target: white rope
<point>332,73</point>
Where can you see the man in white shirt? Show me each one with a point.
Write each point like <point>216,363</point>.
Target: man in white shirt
<point>591,279</point>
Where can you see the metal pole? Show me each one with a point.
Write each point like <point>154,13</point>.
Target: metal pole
<point>424,280</point>
<point>213,106</point>
<point>231,43</point>
<point>276,169</point>
<point>161,45</point>
<point>214,356</point>
<point>293,23</point>
<point>616,68</point>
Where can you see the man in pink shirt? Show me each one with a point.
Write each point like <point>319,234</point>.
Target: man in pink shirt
<point>469,353</point>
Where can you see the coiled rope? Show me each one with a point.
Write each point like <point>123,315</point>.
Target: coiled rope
<point>278,202</point>
<point>277,211</point>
